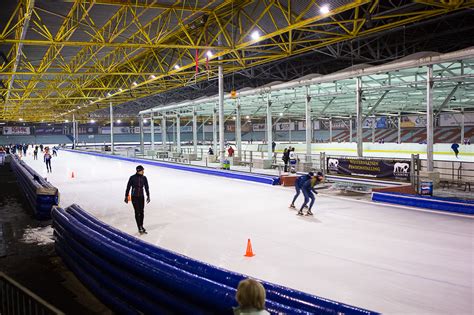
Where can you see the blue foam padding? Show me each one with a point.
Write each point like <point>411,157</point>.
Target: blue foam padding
<point>208,287</point>
<point>427,202</point>
<point>259,178</point>
<point>30,183</point>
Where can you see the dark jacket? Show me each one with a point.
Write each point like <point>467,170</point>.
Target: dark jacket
<point>310,183</point>
<point>137,182</point>
<point>302,179</point>
<point>286,156</point>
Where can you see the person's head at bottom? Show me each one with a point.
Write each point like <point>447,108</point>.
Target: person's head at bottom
<point>140,170</point>
<point>251,297</point>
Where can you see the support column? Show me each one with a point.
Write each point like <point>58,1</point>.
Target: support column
<point>373,129</point>
<point>142,136</point>
<point>111,129</point>
<point>73,131</point>
<point>350,129</point>
<point>195,132</point>
<point>269,128</point>
<point>221,111</point>
<point>429,118</point>
<point>330,129</point>
<point>462,126</point>
<point>308,125</point>
<point>360,139</point>
<point>238,129</point>
<point>289,130</point>
<point>214,131</point>
<point>152,131</point>
<point>163,131</point>
<point>399,131</point>
<point>178,133</point>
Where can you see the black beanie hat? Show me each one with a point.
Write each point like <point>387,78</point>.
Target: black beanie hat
<point>140,168</point>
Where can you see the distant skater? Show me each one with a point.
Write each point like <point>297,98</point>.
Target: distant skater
<point>308,190</point>
<point>455,148</point>
<point>55,151</point>
<point>35,153</point>
<point>47,160</point>
<point>298,185</point>
<point>137,182</point>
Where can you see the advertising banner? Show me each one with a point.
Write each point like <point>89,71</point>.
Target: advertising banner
<point>285,126</point>
<point>302,125</point>
<point>117,130</point>
<point>380,122</point>
<point>454,120</point>
<point>49,130</point>
<point>87,130</point>
<point>413,121</point>
<point>259,127</point>
<point>369,168</point>
<point>16,130</point>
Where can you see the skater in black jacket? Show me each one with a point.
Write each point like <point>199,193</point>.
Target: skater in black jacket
<point>137,183</point>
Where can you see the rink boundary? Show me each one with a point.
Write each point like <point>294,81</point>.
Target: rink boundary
<point>161,279</point>
<point>258,178</point>
<point>435,203</point>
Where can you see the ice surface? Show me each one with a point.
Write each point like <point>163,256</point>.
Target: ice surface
<point>385,258</point>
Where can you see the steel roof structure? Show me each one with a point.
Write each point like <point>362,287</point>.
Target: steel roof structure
<point>60,58</point>
<point>389,89</point>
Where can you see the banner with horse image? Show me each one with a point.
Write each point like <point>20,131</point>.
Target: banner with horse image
<point>369,168</point>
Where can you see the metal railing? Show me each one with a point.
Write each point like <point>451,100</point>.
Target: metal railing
<point>18,300</point>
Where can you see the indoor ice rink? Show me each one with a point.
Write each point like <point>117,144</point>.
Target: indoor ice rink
<point>218,112</point>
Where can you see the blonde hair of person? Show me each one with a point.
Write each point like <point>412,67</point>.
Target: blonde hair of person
<point>250,294</point>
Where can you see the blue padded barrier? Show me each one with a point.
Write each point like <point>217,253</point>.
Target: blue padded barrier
<point>259,178</point>
<point>151,271</point>
<point>277,293</point>
<point>427,202</point>
<point>41,195</point>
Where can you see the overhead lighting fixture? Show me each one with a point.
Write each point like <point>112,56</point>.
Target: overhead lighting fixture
<point>248,117</point>
<point>109,95</point>
<point>152,77</point>
<point>176,67</point>
<point>92,121</point>
<point>324,9</point>
<point>120,90</point>
<point>21,119</point>
<point>49,124</point>
<point>209,54</point>
<point>134,83</point>
<point>255,35</point>
<point>118,121</point>
<point>234,118</point>
<point>145,121</point>
<point>281,114</point>
<point>66,121</point>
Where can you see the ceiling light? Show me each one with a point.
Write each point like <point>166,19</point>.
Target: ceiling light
<point>49,124</point>
<point>92,121</point>
<point>281,114</point>
<point>91,101</point>
<point>176,67</point>
<point>248,117</point>
<point>21,119</point>
<point>234,118</point>
<point>109,95</point>
<point>145,121</point>
<point>66,121</point>
<point>118,121</point>
<point>255,35</point>
<point>152,77</point>
<point>134,83</point>
<point>324,9</point>
<point>209,54</point>
<point>120,90</point>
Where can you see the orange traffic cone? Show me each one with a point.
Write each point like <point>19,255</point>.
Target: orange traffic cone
<point>129,197</point>
<point>72,175</point>
<point>249,252</point>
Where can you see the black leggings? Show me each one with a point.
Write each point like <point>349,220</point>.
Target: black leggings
<point>48,165</point>
<point>138,205</point>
